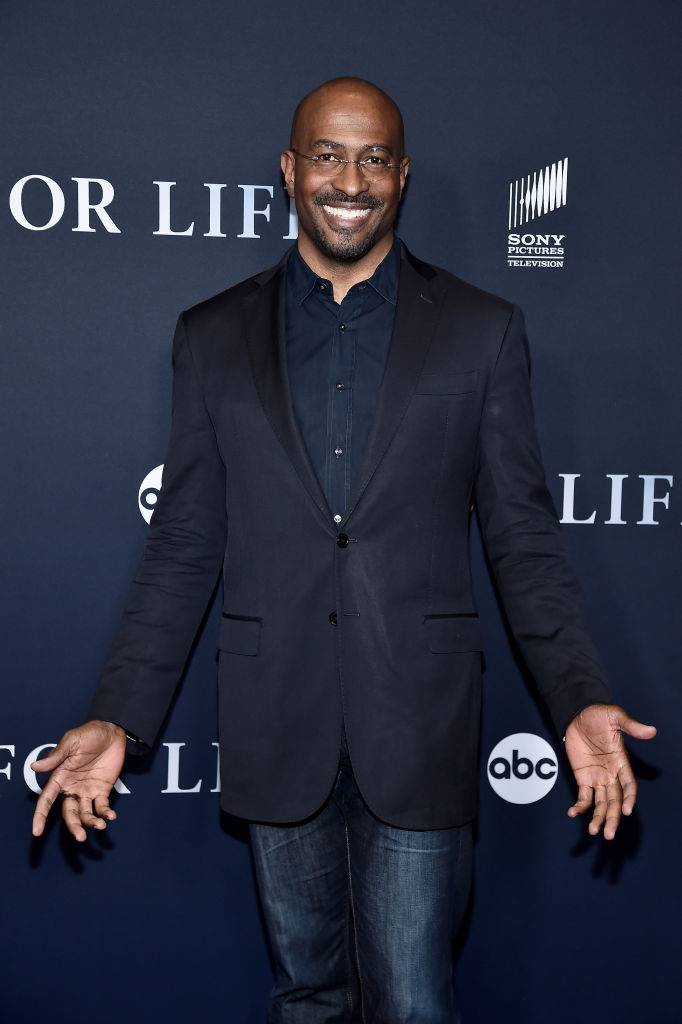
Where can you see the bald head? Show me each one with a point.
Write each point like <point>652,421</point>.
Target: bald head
<point>346,95</point>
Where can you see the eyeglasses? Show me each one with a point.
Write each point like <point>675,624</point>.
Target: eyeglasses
<point>329,164</point>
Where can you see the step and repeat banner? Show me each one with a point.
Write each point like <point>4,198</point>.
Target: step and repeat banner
<point>139,175</point>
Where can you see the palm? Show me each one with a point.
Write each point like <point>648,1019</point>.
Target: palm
<point>88,770</point>
<point>596,752</point>
<point>595,747</point>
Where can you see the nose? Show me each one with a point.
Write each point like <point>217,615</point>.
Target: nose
<point>351,180</point>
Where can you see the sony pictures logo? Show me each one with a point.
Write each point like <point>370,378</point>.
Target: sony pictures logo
<point>535,195</point>
<point>522,768</point>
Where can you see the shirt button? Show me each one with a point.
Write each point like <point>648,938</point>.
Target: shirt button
<point>342,327</point>
<point>332,618</point>
<point>338,451</point>
<point>338,518</point>
<point>340,385</point>
<point>363,286</point>
<point>323,287</point>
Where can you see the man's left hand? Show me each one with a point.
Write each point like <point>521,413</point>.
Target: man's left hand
<point>596,751</point>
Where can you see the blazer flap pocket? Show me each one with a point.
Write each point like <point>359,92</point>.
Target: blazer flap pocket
<point>448,383</point>
<point>239,634</point>
<point>453,633</point>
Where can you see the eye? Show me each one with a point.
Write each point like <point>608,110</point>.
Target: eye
<point>333,159</point>
<point>375,161</point>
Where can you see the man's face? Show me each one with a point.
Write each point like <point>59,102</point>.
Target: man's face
<point>351,125</point>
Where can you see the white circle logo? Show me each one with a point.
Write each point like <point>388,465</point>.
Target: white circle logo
<point>522,768</point>
<point>148,495</point>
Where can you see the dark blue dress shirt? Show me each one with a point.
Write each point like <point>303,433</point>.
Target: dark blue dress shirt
<point>336,357</point>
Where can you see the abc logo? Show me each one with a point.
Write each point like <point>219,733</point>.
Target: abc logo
<point>522,768</point>
<point>148,495</point>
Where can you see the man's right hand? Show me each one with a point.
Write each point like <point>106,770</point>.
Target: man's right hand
<point>83,766</point>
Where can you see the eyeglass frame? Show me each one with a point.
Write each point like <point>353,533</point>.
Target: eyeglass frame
<point>343,163</point>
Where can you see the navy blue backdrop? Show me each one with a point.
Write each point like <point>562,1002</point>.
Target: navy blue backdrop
<point>545,166</point>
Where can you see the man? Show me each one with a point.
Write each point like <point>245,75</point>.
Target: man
<point>336,418</point>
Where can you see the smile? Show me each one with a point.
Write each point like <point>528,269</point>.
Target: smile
<point>347,214</point>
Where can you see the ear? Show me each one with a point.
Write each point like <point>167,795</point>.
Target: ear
<point>404,168</point>
<point>287,163</point>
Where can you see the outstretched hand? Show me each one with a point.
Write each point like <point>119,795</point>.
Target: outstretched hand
<point>84,767</point>
<point>596,751</point>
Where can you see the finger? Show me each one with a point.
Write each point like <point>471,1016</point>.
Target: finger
<point>72,818</point>
<point>636,729</point>
<point>583,802</point>
<point>103,809</point>
<point>88,819</point>
<point>629,785</point>
<point>51,760</point>
<point>599,810</point>
<point>48,795</point>
<point>614,802</point>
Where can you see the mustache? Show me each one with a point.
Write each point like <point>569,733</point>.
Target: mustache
<point>340,198</point>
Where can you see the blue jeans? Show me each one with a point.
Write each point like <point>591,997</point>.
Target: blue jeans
<point>361,916</point>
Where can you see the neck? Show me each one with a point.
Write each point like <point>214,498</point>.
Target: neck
<point>344,275</point>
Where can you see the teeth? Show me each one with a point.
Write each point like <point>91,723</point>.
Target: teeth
<point>338,211</point>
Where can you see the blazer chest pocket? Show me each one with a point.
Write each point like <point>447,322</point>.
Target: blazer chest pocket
<point>452,632</point>
<point>239,634</point>
<point>463,383</point>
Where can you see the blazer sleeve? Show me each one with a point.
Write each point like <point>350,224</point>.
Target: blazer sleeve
<point>522,534</point>
<point>178,570</point>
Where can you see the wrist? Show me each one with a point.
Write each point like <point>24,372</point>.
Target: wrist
<point>112,727</point>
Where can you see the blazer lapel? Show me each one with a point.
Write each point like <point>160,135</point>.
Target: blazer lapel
<point>416,315</point>
<point>264,323</point>
<point>417,311</point>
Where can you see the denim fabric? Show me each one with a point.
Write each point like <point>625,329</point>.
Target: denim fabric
<point>336,356</point>
<point>361,916</point>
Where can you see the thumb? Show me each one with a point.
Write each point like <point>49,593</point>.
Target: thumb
<point>632,727</point>
<point>50,760</point>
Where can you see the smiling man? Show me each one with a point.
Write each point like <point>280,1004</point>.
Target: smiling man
<point>346,231</point>
<point>344,411</point>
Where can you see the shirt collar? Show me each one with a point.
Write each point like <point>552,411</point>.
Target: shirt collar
<point>302,279</point>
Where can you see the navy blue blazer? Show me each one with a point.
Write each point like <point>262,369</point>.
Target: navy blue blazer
<point>373,620</point>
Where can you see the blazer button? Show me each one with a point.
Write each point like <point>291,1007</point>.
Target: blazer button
<point>332,618</point>
<point>342,540</point>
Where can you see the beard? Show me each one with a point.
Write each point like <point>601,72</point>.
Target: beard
<point>344,246</point>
